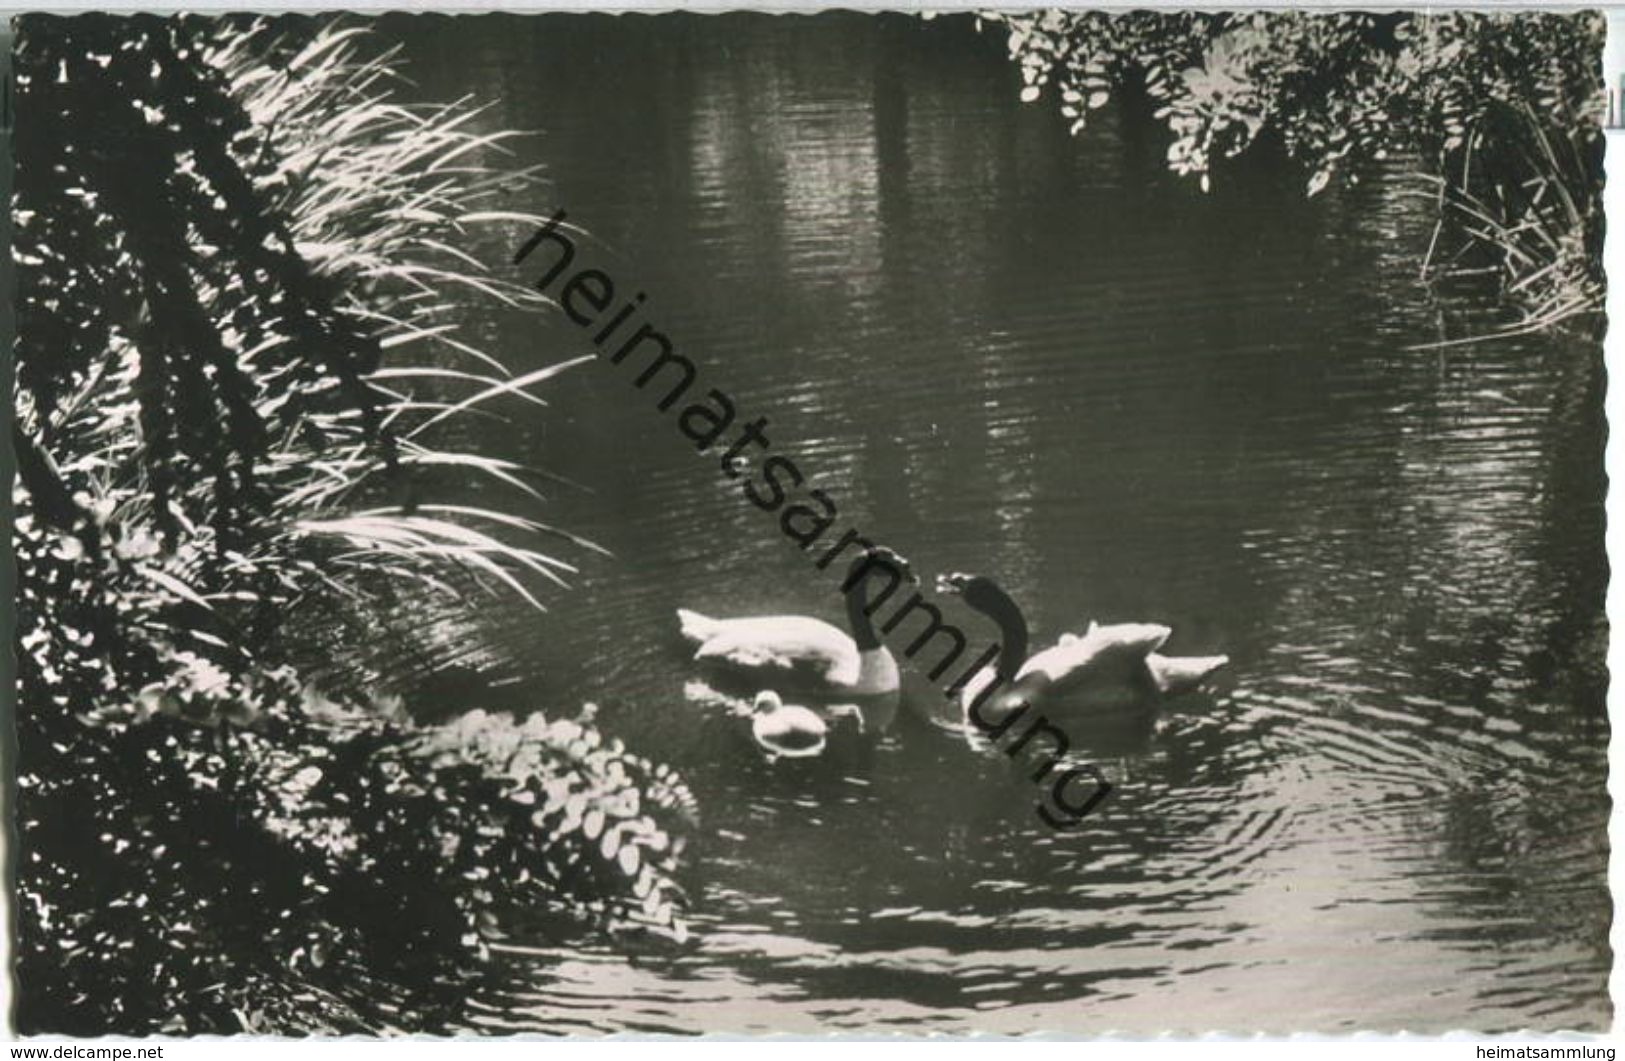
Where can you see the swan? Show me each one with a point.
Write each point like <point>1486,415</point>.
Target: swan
<point>786,730</point>
<point>801,652</point>
<point>985,596</point>
<point>1109,668</point>
<point>1170,675</point>
<point>870,717</point>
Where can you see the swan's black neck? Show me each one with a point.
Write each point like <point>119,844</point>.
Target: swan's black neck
<point>857,605</point>
<point>996,604</point>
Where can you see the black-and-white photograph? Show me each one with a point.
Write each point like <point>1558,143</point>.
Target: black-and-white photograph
<point>1050,522</point>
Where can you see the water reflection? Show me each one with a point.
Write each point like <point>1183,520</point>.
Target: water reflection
<point>1007,351</point>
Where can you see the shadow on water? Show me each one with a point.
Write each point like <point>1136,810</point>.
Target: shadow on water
<point>1004,350</point>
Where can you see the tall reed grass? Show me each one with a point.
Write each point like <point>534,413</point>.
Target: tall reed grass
<point>1505,106</point>
<point>1531,215</point>
<point>397,188</point>
<point>241,286</point>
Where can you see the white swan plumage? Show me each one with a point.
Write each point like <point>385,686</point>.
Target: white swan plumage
<point>787,731</point>
<point>801,652</point>
<point>1170,675</point>
<point>1109,667</point>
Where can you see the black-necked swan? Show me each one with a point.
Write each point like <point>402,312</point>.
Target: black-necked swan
<point>1109,668</point>
<point>786,730</point>
<point>800,652</point>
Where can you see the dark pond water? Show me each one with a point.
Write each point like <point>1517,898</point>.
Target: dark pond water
<point>1004,350</point>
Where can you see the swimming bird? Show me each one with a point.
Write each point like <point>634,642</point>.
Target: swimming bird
<point>985,596</point>
<point>860,718</point>
<point>1170,675</point>
<point>786,730</point>
<point>803,653</point>
<point>1109,668</point>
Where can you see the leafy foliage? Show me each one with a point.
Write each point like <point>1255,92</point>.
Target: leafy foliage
<point>1504,107</point>
<point>227,235</point>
